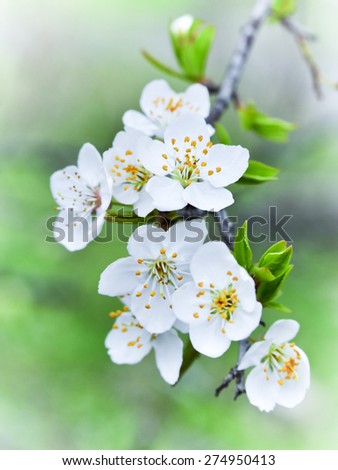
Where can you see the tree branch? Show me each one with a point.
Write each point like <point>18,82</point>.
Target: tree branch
<point>302,37</point>
<point>235,374</point>
<point>234,71</point>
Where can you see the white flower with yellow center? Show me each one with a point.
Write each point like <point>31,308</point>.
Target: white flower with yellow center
<point>189,169</point>
<point>128,343</point>
<point>220,304</point>
<point>160,105</point>
<point>83,193</point>
<point>158,264</point>
<point>281,373</point>
<point>128,174</point>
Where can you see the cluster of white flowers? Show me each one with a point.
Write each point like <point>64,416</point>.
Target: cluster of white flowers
<point>175,282</point>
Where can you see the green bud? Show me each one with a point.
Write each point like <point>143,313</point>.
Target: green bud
<point>191,39</point>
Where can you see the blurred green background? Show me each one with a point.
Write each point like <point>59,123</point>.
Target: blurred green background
<point>68,72</point>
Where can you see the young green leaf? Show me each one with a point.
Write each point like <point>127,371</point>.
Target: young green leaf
<point>267,291</point>
<point>282,8</point>
<point>222,134</point>
<point>242,250</point>
<point>164,68</point>
<point>263,125</point>
<point>277,306</point>
<point>262,274</point>
<point>258,173</point>
<point>277,262</point>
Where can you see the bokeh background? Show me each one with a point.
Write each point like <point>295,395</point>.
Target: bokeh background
<point>68,72</point>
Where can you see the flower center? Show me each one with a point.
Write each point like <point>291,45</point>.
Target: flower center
<point>224,302</point>
<point>283,362</point>
<point>172,105</point>
<point>187,168</point>
<point>137,176</point>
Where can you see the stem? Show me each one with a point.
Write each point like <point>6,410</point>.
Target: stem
<point>238,59</point>
<point>235,374</point>
<point>226,228</point>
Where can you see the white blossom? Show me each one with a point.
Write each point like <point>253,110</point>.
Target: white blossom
<point>128,343</point>
<point>182,24</point>
<point>158,264</point>
<point>189,169</point>
<point>220,303</point>
<point>128,174</point>
<point>83,193</point>
<point>160,105</point>
<point>281,371</point>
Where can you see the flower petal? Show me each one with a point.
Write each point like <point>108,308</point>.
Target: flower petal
<point>245,288</point>
<point>90,165</point>
<point>136,120</point>
<point>153,312</point>
<point>282,331</point>
<point>144,205</point>
<point>153,91</point>
<point>166,193</point>
<point>127,343</point>
<point>254,354</point>
<point>244,322</point>
<point>181,326</point>
<point>121,277</point>
<point>293,391</point>
<point>206,197</point>
<point>197,98</point>
<point>187,125</point>
<point>146,242</point>
<point>208,338</point>
<point>125,194</point>
<point>211,263</point>
<point>68,188</point>
<point>169,355</point>
<point>73,231</point>
<point>225,164</point>
<point>154,157</point>
<point>189,306</point>
<point>183,239</point>
<point>260,391</point>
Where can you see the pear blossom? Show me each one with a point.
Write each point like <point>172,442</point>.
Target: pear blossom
<point>160,105</point>
<point>182,24</point>
<point>220,303</point>
<point>83,193</point>
<point>281,370</point>
<point>128,343</point>
<point>158,264</point>
<point>189,169</point>
<point>128,174</point>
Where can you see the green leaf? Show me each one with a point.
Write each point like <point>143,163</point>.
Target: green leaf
<point>258,173</point>
<point>266,127</point>
<point>191,47</point>
<point>277,262</point>
<point>267,291</point>
<point>242,250</point>
<point>262,274</point>
<point>164,68</point>
<point>282,8</point>
<point>277,306</point>
<point>222,134</point>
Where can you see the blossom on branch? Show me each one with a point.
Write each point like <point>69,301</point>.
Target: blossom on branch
<point>128,174</point>
<point>189,169</point>
<point>158,264</point>
<point>160,105</point>
<point>281,373</point>
<point>128,343</point>
<point>83,193</point>
<point>220,303</point>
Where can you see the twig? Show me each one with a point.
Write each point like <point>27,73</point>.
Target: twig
<point>235,374</point>
<point>302,37</point>
<point>234,71</point>
<point>226,228</point>
<point>297,29</point>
